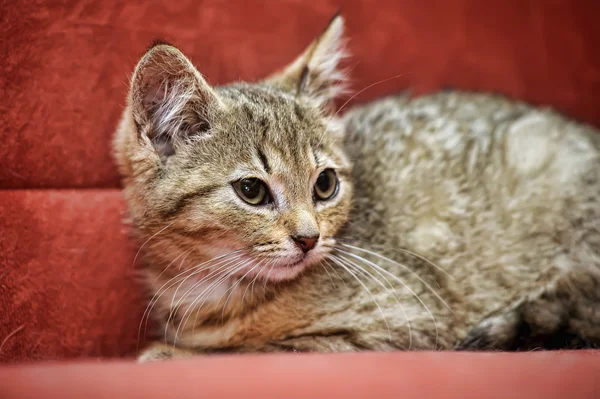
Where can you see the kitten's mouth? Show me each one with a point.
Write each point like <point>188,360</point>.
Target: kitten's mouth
<point>286,270</point>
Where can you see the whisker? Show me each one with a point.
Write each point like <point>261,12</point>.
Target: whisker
<point>252,284</point>
<point>206,294</point>
<point>173,281</point>
<point>147,306</point>
<point>365,89</point>
<point>223,268</point>
<point>328,274</point>
<point>173,261</point>
<point>204,278</point>
<point>266,279</point>
<point>222,276</point>
<point>391,287</point>
<point>377,267</point>
<point>170,283</point>
<point>232,290</point>
<point>335,271</point>
<point>148,240</point>
<point>401,265</point>
<point>413,254</point>
<point>357,94</point>
<point>173,310</point>
<point>335,260</point>
<point>253,281</point>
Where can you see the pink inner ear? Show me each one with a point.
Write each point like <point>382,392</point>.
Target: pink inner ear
<point>154,93</point>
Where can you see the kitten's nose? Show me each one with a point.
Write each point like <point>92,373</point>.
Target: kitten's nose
<point>305,243</point>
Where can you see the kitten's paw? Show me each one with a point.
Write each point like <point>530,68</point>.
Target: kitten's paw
<point>564,315</point>
<point>493,333</point>
<point>512,332</point>
<point>159,352</point>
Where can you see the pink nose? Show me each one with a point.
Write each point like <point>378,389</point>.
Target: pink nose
<point>305,243</point>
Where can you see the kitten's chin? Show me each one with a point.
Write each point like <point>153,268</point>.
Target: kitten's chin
<point>287,271</point>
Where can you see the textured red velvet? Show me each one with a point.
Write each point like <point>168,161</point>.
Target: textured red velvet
<point>66,287</point>
<point>65,76</point>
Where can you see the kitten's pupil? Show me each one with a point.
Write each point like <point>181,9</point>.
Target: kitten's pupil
<point>323,182</point>
<point>251,188</point>
<point>326,185</point>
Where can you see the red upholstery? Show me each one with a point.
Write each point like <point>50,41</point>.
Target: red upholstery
<point>65,77</point>
<point>66,283</point>
<point>549,375</point>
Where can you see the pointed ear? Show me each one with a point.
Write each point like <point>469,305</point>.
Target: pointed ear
<point>169,98</point>
<point>315,74</point>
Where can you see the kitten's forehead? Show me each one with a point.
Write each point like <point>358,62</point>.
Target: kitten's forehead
<point>278,129</point>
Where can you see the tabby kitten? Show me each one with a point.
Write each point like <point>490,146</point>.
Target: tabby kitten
<point>271,223</point>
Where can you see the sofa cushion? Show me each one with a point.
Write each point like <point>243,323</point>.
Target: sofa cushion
<point>67,282</point>
<point>65,78</point>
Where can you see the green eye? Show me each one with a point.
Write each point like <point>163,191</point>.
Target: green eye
<point>253,191</point>
<point>327,185</point>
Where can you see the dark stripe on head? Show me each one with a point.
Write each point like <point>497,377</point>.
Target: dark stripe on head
<point>182,202</point>
<point>264,161</point>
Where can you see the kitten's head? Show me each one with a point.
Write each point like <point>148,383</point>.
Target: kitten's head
<point>256,171</point>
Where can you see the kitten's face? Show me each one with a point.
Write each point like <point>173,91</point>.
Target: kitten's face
<point>252,176</point>
<point>268,177</point>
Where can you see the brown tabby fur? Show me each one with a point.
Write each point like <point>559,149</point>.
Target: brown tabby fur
<point>460,218</point>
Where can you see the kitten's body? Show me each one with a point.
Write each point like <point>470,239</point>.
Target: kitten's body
<point>453,209</point>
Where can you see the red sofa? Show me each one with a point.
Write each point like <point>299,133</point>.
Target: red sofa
<point>67,280</point>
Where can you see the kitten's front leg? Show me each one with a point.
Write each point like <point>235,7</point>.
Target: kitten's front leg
<point>158,352</point>
<point>563,315</point>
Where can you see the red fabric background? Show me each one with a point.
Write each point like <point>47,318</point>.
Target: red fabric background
<point>66,287</point>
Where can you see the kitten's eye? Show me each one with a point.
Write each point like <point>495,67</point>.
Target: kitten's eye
<point>253,191</point>
<point>327,185</point>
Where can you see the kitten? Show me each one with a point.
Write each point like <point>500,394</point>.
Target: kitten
<point>271,223</point>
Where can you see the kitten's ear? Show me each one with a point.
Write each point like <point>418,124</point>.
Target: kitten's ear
<point>169,98</point>
<point>315,74</point>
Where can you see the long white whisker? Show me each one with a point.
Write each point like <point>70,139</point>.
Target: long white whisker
<point>335,260</point>
<point>232,290</point>
<point>391,287</point>
<point>366,88</point>
<point>223,268</point>
<point>328,274</point>
<point>267,276</point>
<point>413,254</point>
<point>189,251</point>
<point>253,283</point>
<point>148,240</point>
<point>335,271</point>
<point>254,280</point>
<point>173,310</point>
<point>149,303</point>
<point>398,264</point>
<point>224,276</point>
<point>173,281</point>
<point>356,94</point>
<point>221,277</point>
<point>377,267</point>
<point>228,261</point>
<point>193,270</point>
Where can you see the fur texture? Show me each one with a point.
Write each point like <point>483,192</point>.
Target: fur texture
<point>459,218</point>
